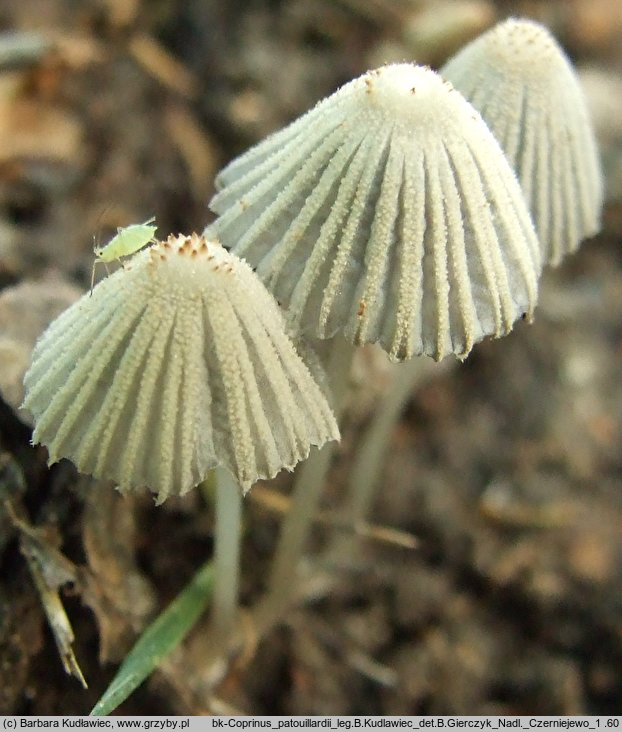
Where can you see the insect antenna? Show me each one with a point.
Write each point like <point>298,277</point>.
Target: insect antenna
<point>97,237</point>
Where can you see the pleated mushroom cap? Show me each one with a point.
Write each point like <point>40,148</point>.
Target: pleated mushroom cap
<point>388,212</point>
<point>177,364</point>
<point>521,82</point>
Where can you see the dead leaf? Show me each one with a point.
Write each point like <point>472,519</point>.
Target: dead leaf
<point>25,312</point>
<point>50,570</point>
<point>33,128</point>
<point>113,587</point>
<point>122,13</point>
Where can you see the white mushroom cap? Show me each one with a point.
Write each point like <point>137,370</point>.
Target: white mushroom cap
<point>177,364</point>
<point>521,82</point>
<point>389,212</point>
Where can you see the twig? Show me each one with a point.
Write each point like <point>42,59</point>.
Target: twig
<point>163,66</point>
<point>278,503</point>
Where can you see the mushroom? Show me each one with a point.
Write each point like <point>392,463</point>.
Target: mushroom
<point>519,79</point>
<point>388,213</point>
<point>176,365</point>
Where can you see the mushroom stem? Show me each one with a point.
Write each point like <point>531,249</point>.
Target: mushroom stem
<point>308,484</point>
<point>226,556</point>
<point>371,453</point>
<point>372,448</point>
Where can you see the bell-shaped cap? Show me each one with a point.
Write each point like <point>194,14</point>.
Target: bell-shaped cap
<point>388,212</point>
<point>523,85</point>
<point>177,364</point>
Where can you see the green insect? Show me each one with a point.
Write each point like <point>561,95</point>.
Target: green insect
<point>126,241</point>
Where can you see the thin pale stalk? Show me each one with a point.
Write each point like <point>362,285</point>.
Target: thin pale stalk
<point>226,556</point>
<point>370,457</point>
<point>308,484</point>
<point>373,447</point>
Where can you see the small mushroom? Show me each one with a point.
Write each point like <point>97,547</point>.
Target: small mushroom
<point>388,212</point>
<point>177,364</point>
<point>524,86</point>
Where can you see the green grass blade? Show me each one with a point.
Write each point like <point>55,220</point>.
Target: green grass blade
<point>158,640</point>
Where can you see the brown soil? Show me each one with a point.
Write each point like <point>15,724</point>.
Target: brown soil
<point>507,468</point>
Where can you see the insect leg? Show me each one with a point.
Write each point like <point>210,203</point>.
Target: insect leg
<point>95,262</point>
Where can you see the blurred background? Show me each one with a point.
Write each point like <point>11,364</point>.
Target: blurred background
<point>507,468</point>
